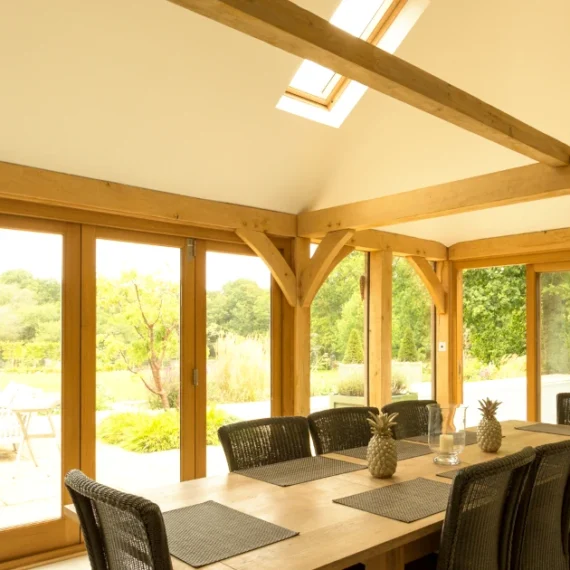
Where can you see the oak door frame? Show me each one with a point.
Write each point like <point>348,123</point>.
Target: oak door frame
<point>35,538</point>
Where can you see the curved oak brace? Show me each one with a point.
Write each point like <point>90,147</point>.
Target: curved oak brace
<point>431,281</point>
<point>319,267</point>
<point>282,273</point>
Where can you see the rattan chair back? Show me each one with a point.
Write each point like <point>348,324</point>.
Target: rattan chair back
<point>340,428</point>
<point>563,408</point>
<point>480,519</point>
<point>264,442</point>
<point>121,531</point>
<point>541,535</point>
<point>412,417</point>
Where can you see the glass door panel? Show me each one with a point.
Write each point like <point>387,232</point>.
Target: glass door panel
<point>238,321</point>
<point>138,364</point>
<point>554,340</point>
<point>31,271</point>
<point>494,340</point>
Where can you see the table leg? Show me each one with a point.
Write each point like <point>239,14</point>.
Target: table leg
<point>392,560</point>
<point>53,432</point>
<point>24,425</point>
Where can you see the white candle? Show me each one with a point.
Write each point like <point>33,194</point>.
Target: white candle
<point>446,443</point>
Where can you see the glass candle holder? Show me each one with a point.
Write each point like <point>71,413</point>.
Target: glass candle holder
<point>446,432</point>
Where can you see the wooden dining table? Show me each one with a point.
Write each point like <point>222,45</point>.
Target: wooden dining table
<point>332,536</point>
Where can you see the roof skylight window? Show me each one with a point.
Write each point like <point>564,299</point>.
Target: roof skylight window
<point>319,94</point>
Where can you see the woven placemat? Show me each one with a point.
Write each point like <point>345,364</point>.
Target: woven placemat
<point>302,470</point>
<point>407,502</point>
<point>449,474</point>
<point>405,449</point>
<point>470,438</point>
<point>555,429</point>
<point>209,532</point>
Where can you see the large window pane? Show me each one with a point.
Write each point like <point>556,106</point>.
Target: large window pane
<point>138,364</point>
<point>30,377</point>
<point>338,374</point>
<point>494,340</point>
<point>412,337</point>
<point>239,356</point>
<point>554,340</point>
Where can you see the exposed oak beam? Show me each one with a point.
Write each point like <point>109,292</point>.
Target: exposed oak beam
<point>289,27</point>
<point>429,278</point>
<point>38,186</point>
<point>398,244</point>
<point>317,269</point>
<point>282,273</point>
<point>514,245</point>
<point>523,184</point>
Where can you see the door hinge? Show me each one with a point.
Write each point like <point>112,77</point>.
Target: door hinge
<point>195,377</point>
<point>191,247</point>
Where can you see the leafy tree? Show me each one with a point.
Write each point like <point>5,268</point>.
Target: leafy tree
<point>327,308</point>
<point>408,352</point>
<point>138,323</point>
<point>354,353</point>
<point>352,318</point>
<point>494,312</point>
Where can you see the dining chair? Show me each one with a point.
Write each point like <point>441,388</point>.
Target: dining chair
<point>480,518</point>
<point>121,531</point>
<point>263,442</point>
<point>543,522</point>
<point>340,428</point>
<point>412,417</point>
<point>563,408</point>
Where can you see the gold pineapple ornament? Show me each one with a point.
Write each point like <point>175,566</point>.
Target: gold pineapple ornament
<point>382,455</point>
<point>489,432</point>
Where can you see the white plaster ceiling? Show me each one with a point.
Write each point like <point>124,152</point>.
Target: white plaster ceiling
<point>146,93</point>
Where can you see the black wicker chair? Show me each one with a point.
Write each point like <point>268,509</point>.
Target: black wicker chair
<point>340,428</point>
<point>122,532</point>
<point>412,417</point>
<point>541,533</point>
<point>264,442</point>
<point>563,408</point>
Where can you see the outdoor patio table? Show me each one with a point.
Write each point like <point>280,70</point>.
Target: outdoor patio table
<point>332,536</point>
<point>25,408</point>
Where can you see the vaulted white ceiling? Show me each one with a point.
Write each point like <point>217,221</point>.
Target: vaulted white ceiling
<point>146,93</point>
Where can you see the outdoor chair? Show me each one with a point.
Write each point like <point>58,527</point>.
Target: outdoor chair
<point>264,442</point>
<point>481,513</point>
<point>412,417</point>
<point>340,428</point>
<point>541,533</point>
<point>563,408</point>
<point>10,430</point>
<point>121,531</point>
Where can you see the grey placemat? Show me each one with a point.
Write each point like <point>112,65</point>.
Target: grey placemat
<point>209,532</point>
<point>302,470</point>
<point>555,429</point>
<point>405,449</point>
<point>449,474</point>
<point>470,438</point>
<point>407,502</point>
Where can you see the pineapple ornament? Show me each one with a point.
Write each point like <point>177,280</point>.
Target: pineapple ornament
<point>489,432</point>
<point>382,455</point>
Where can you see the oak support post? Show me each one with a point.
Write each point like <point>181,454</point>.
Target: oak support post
<point>301,336</point>
<point>380,329</point>
<point>449,385</point>
<point>532,346</point>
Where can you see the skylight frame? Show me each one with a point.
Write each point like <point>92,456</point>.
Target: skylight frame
<point>372,34</point>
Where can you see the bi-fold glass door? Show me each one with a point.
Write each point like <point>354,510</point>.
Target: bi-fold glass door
<point>39,382</point>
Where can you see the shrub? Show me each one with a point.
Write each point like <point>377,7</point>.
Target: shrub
<point>215,419</point>
<point>241,371</point>
<point>399,383</point>
<point>142,432</point>
<point>354,353</point>
<point>408,352</point>
<point>352,385</point>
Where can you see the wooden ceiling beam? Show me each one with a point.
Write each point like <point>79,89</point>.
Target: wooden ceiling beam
<point>46,187</point>
<point>398,244</point>
<point>429,278</point>
<point>523,184</point>
<point>293,29</point>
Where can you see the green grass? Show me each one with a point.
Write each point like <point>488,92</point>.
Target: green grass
<point>119,385</point>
